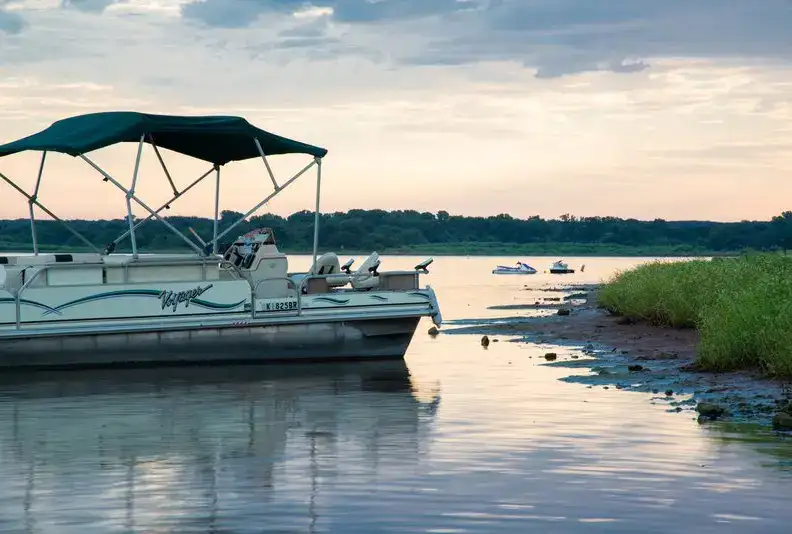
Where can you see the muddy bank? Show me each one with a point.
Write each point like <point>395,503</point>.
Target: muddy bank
<point>611,352</point>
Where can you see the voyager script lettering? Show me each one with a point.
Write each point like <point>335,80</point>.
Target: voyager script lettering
<point>172,299</point>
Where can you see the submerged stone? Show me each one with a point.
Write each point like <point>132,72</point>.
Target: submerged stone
<point>710,410</point>
<point>782,421</point>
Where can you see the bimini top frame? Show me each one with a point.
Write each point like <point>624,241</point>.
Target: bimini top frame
<point>215,139</point>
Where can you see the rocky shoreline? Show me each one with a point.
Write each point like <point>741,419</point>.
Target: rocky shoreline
<point>632,356</point>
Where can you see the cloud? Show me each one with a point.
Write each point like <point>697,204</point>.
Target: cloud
<point>574,98</point>
<point>223,14</point>
<point>241,13</point>
<point>553,38</point>
<point>10,22</point>
<point>91,6</point>
<point>627,66</point>
<point>561,37</point>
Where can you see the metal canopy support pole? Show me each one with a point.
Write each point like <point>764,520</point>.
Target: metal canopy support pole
<point>269,197</point>
<point>43,208</point>
<point>216,210</point>
<point>316,216</point>
<point>266,163</point>
<point>164,168</point>
<point>166,205</point>
<point>142,204</point>
<point>33,228</point>
<point>32,200</point>
<point>130,194</point>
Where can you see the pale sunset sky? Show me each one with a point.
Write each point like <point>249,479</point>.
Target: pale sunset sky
<point>679,109</point>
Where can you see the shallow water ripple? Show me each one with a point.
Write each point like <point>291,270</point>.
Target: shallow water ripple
<point>459,439</point>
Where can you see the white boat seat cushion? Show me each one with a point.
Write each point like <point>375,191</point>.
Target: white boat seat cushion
<point>366,277</point>
<point>328,264</point>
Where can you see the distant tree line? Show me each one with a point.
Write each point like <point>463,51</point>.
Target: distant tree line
<point>365,230</point>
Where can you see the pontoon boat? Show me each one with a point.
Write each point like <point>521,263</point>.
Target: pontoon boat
<point>238,302</point>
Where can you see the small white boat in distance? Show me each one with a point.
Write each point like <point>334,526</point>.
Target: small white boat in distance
<point>559,267</point>
<point>228,301</point>
<point>522,268</point>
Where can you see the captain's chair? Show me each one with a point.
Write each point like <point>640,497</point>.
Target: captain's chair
<point>328,264</point>
<point>366,276</point>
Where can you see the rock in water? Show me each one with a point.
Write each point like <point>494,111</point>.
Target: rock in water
<point>433,331</point>
<point>563,311</point>
<point>484,341</point>
<point>709,410</point>
<point>782,421</point>
<point>551,356</point>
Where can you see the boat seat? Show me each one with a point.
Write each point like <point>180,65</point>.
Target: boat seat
<point>328,264</point>
<point>366,276</point>
<point>11,280</point>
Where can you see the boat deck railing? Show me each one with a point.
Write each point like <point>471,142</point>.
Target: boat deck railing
<point>298,289</point>
<point>43,269</point>
<point>413,276</point>
<point>289,281</point>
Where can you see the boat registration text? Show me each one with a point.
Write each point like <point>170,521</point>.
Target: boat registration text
<point>277,305</point>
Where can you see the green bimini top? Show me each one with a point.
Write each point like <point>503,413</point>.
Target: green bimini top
<point>216,139</point>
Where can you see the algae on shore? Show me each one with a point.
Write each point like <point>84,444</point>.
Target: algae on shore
<point>636,356</point>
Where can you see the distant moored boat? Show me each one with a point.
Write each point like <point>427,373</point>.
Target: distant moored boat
<point>559,267</point>
<point>521,268</point>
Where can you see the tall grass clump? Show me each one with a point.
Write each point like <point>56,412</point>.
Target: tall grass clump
<point>742,307</point>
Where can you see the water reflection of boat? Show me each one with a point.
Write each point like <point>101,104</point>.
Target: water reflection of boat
<point>560,267</point>
<point>143,448</point>
<point>521,268</point>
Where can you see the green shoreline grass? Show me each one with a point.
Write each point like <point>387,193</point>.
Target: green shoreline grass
<point>741,306</point>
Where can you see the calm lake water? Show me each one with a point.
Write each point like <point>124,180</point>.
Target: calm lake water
<point>456,438</point>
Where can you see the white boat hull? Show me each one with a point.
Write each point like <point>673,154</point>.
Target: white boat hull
<point>240,343</point>
<point>137,330</point>
<point>521,268</point>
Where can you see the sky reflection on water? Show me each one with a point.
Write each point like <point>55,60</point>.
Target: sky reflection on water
<point>457,439</point>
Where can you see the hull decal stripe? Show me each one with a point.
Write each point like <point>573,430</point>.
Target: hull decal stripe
<point>151,293</point>
<point>334,300</point>
<point>30,303</point>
